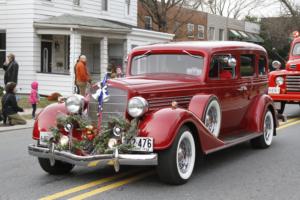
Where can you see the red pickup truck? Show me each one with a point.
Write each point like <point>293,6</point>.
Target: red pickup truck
<point>284,85</point>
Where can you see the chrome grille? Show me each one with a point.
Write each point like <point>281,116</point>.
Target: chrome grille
<point>116,106</point>
<point>293,83</point>
<point>156,103</point>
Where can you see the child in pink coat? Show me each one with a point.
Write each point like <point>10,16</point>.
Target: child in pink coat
<point>34,97</point>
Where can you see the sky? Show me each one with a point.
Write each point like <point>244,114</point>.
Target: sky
<point>272,10</point>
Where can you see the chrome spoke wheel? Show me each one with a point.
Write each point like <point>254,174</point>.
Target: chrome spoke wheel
<point>212,118</point>
<point>185,157</point>
<point>268,128</point>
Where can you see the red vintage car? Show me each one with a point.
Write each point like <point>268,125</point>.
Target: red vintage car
<point>188,99</point>
<point>284,85</point>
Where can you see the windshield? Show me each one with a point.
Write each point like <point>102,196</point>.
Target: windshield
<point>296,50</point>
<point>167,63</point>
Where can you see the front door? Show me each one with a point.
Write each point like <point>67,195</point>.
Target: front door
<point>225,84</point>
<point>46,57</point>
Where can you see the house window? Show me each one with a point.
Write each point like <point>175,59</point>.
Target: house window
<point>127,5</point>
<point>221,34</point>
<point>76,2</point>
<point>55,54</point>
<point>200,31</point>
<point>247,65</point>
<point>148,22</point>
<point>211,33</point>
<point>190,30</point>
<point>2,48</point>
<point>104,5</point>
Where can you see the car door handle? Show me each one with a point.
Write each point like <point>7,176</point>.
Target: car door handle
<point>242,88</point>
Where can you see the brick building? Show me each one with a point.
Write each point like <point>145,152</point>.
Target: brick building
<point>185,23</point>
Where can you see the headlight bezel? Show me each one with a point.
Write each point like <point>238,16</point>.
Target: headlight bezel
<point>279,80</point>
<point>137,106</point>
<point>74,104</point>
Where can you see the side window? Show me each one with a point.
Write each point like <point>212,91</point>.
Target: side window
<point>262,65</point>
<point>247,66</point>
<point>219,68</point>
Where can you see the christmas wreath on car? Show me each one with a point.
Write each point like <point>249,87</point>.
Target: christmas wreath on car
<point>76,133</point>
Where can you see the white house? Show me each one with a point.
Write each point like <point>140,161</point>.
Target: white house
<point>47,36</point>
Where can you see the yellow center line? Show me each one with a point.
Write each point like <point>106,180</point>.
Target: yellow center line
<point>288,124</point>
<point>87,186</point>
<point>290,120</point>
<point>112,186</point>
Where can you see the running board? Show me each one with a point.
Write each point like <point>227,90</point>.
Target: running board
<point>234,140</point>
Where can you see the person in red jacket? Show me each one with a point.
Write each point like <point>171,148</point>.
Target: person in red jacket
<point>82,75</point>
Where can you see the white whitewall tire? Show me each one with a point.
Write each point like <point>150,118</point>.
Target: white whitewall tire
<point>266,139</point>
<point>212,117</point>
<point>176,164</point>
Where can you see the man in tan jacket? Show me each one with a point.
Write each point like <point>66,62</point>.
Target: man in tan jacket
<point>82,75</point>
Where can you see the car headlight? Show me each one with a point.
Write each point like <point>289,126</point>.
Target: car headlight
<point>279,80</point>
<point>74,103</point>
<point>137,106</point>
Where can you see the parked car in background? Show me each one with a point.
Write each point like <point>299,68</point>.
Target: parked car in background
<point>188,98</point>
<point>284,85</point>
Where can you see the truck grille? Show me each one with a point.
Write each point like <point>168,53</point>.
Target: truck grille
<point>156,103</point>
<point>293,83</point>
<point>115,107</point>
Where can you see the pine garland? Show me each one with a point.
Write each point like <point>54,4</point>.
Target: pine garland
<point>92,141</point>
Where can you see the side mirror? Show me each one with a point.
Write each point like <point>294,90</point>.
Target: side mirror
<point>232,62</point>
<point>276,64</point>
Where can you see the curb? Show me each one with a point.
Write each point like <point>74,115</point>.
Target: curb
<point>29,124</point>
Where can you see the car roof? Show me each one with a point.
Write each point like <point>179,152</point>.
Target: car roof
<point>208,46</point>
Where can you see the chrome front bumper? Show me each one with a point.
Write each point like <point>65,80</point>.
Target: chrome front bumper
<point>94,160</point>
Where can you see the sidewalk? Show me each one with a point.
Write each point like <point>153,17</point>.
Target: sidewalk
<point>30,122</point>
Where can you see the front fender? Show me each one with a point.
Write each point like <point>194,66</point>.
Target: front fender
<point>199,103</point>
<point>164,124</point>
<point>255,115</point>
<point>47,119</point>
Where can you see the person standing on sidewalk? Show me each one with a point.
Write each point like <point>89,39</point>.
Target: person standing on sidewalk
<point>11,68</point>
<point>10,106</point>
<point>82,75</point>
<point>34,97</point>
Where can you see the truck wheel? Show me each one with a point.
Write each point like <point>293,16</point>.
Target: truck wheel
<point>58,168</point>
<point>282,106</point>
<point>176,164</point>
<point>265,140</point>
<point>212,117</point>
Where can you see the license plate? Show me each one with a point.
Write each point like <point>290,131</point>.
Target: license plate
<point>274,90</point>
<point>144,144</point>
<point>45,137</point>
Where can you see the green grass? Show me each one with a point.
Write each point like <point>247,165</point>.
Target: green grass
<point>23,102</point>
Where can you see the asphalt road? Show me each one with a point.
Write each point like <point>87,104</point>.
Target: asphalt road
<point>236,173</point>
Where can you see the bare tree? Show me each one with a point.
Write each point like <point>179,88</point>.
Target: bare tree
<point>234,8</point>
<point>290,6</point>
<point>159,9</point>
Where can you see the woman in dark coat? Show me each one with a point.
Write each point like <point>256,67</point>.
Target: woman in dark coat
<point>10,106</point>
<point>11,69</point>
